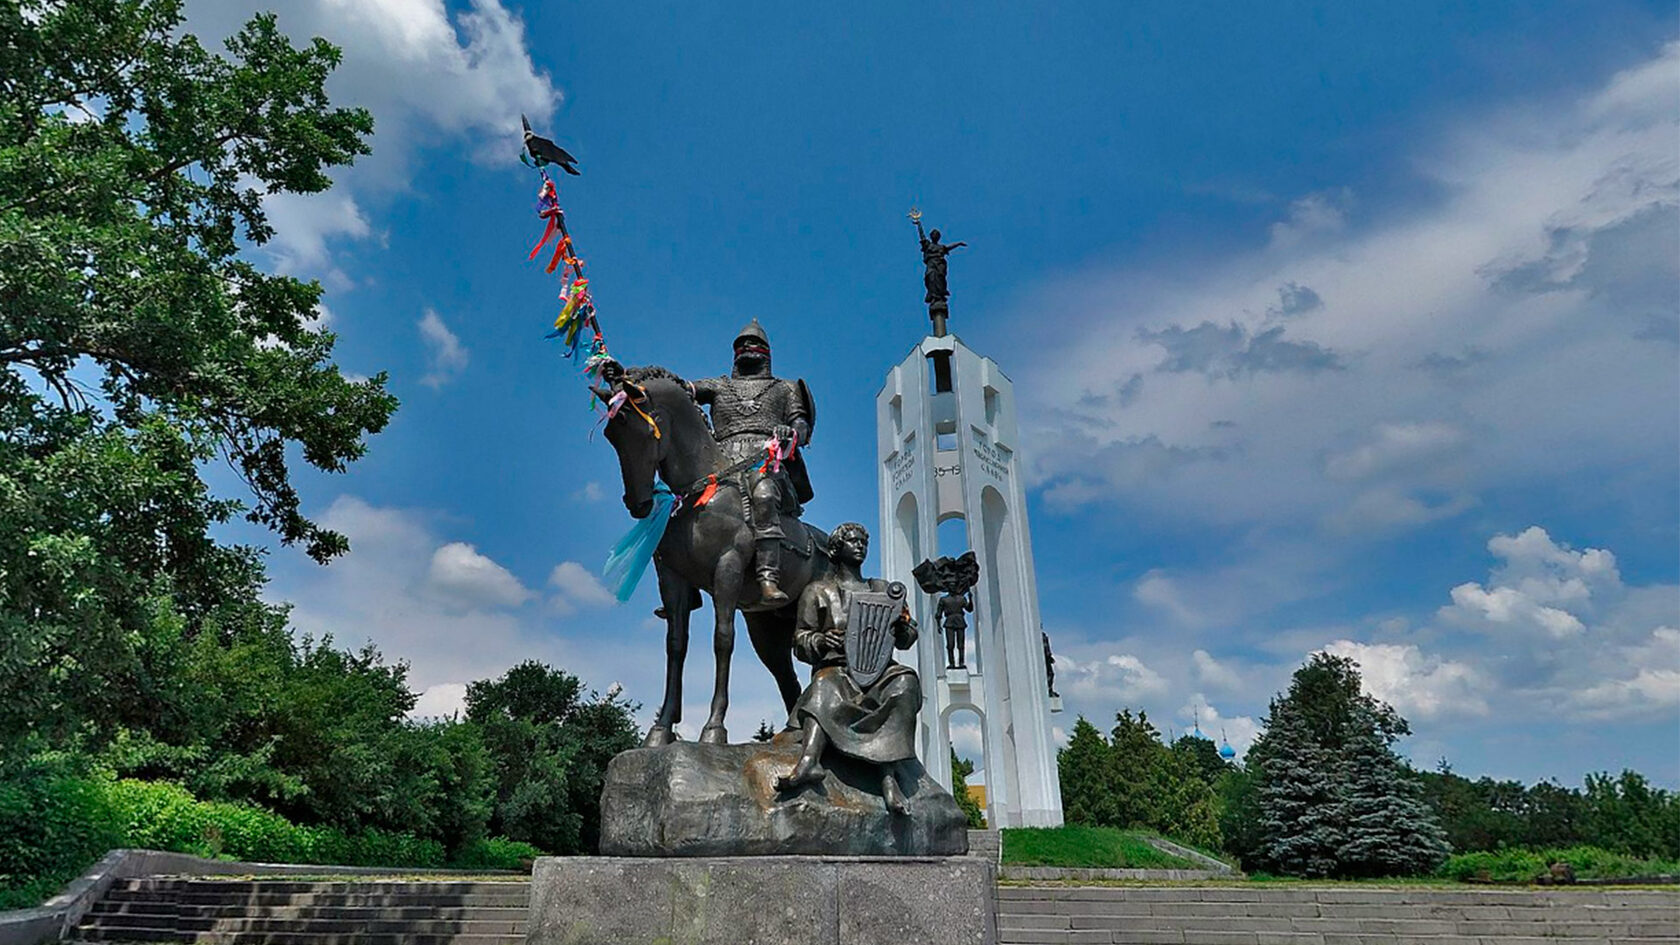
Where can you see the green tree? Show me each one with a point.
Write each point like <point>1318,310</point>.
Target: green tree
<point>1626,814</point>
<point>961,768</point>
<point>1203,756</point>
<point>1084,767</point>
<point>1136,776</point>
<point>1391,830</point>
<point>1331,796</point>
<point>549,742</point>
<point>138,343</point>
<point>764,733</point>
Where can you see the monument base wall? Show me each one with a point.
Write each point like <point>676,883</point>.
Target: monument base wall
<point>762,900</point>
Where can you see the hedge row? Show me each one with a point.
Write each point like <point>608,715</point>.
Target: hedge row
<point>51,829</point>
<point>1526,865</point>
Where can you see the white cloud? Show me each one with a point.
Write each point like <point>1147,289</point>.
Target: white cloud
<point>441,701</point>
<point>1492,335</point>
<point>591,491</point>
<point>459,573</point>
<point>1213,673</point>
<point>1117,679</point>
<point>578,586</point>
<point>1417,686</point>
<point>447,355</point>
<point>1568,632</point>
<point>431,81</point>
<point>303,223</point>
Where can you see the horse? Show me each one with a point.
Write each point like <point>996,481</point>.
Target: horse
<point>660,431</point>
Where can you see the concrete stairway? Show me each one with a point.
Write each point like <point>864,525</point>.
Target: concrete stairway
<point>289,912</point>
<point>1255,914</point>
<point>985,844</point>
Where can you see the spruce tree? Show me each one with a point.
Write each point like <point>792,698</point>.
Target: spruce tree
<point>1138,755</point>
<point>1301,821</point>
<point>1391,831</point>
<point>1333,799</point>
<point>1085,766</point>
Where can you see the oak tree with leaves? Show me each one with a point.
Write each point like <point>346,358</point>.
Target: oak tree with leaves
<point>140,343</point>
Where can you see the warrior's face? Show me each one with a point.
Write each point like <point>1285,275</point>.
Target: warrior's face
<point>751,358</point>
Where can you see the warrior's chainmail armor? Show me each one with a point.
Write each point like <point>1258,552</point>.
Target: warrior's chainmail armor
<point>749,407</point>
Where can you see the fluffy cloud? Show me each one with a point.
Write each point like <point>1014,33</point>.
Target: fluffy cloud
<point>459,573</point>
<point>440,701</point>
<point>1117,679</point>
<point>447,356</point>
<point>1494,333</point>
<point>1416,685</point>
<point>430,79</point>
<point>1569,631</point>
<point>1213,673</point>
<point>578,586</point>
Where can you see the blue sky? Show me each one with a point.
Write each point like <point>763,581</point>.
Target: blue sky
<point>1344,326</point>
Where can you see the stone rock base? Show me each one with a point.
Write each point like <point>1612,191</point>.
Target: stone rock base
<point>688,799</point>
<point>762,900</point>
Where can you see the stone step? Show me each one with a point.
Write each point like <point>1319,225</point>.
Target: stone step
<point>1385,896</point>
<point>367,900</point>
<point>272,924</point>
<point>1240,937</point>
<point>154,907</point>
<point>1407,927</point>
<point>289,938</point>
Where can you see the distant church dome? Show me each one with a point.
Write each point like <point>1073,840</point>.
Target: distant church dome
<point>1226,751</point>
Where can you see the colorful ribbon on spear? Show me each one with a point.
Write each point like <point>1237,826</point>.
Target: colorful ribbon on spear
<point>577,307</point>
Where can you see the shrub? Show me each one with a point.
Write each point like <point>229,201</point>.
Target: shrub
<point>53,827</point>
<point>1526,864</point>
<point>50,830</point>
<point>496,853</point>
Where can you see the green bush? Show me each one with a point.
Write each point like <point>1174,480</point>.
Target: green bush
<point>496,853</point>
<point>1525,865</point>
<point>50,830</point>
<point>53,827</point>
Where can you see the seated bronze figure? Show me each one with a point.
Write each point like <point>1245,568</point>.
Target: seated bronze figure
<point>860,702</point>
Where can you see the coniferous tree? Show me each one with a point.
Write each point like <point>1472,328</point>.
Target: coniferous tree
<point>1332,797</point>
<point>1085,766</point>
<point>961,768</point>
<point>1390,829</point>
<point>1300,818</point>
<point>1138,755</point>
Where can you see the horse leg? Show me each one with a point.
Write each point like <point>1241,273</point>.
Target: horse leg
<point>674,593</point>
<point>726,589</point>
<point>772,639</point>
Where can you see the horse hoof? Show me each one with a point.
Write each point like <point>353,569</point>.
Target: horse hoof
<point>714,735</point>
<point>658,737</point>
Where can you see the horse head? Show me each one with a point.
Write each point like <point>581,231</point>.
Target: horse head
<point>657,430</point>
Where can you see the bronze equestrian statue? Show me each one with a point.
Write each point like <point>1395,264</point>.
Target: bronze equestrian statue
<point>662,436</point>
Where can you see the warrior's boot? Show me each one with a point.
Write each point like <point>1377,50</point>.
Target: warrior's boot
<point>768,557</point>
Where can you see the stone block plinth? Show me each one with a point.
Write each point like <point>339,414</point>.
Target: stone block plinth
<point>763,900</point>
<point>689,799</point>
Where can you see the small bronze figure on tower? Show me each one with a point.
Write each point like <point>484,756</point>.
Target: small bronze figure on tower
<point>954,578</point>
<point>933,257</point>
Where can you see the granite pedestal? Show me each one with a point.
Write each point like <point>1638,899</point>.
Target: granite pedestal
<point>689,799</point>
<point>762,900</point>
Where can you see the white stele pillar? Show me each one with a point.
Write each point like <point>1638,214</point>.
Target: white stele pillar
<point>948,450</point>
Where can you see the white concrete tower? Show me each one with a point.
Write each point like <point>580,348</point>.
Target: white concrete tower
<point>948,450</point>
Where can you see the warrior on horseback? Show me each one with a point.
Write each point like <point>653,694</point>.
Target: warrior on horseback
<point>750,408</point>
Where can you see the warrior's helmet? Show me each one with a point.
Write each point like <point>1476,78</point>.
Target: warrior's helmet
<point>752,344</point>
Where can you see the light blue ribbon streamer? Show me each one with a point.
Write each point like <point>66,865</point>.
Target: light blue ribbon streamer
<point>630,556</point>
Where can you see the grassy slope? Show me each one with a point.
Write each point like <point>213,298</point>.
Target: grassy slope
<point>1086,847</point>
